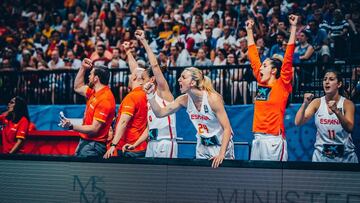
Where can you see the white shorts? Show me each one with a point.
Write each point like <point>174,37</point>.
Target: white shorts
<point>207,152</point>
<point>347,158</point>
<point>269,147</point>
<point>163,148</point>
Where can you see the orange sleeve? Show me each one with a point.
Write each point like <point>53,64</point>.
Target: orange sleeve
<point>89,92</point>
<point>254,60</point>
<point>128,105</point>
<point>22,128</point>
<point>32,126</point>
<point>286,69</point>
<point>102,111</point>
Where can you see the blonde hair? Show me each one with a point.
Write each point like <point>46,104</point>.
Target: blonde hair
<point>279,57</point>
<point>202,82</point>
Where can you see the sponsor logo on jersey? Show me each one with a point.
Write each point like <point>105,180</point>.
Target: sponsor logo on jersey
<point>262,93</point>
<point>199,117</point>
<point>329,121</point>
<point>206,109</point>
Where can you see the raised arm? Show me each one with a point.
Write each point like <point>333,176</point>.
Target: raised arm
<point>286,73</point>
<point>346,119</point>
<point>307,109</point>
<point>79,85</point>
<point>253,54</point>
<point>168,109</point>
<point>162,85</point>
<point>131,60</point>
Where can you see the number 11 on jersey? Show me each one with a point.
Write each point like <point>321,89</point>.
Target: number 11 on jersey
<point>331,134</point>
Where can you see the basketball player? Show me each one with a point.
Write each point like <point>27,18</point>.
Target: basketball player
<point>206,111</point>
<point>274,86</point>
<point>162,131</point>
<point>334,120</point>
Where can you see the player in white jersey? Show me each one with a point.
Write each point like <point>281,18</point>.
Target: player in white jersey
<point>206,111</point>
<point>162,131</point>
<point>334,119</point>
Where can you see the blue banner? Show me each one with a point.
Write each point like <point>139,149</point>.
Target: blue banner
<point>300,139</point>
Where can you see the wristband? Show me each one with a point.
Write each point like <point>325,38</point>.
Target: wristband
<point>150,95</point>
<point>113,145</point>
<point>71,127</point>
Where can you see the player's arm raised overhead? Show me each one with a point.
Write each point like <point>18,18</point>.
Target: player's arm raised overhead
<point>162,85</point>
<point>79,85</point>
<point>131,60</point>
<point>253,54</point>
<point>286,73</point>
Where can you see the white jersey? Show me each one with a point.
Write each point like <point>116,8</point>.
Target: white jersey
<point>205,121</point>
<point>209,131</point>
<point>166,126</point>
<point>329,129</point>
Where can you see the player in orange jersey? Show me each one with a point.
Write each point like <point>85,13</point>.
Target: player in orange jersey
<point>274,86</point>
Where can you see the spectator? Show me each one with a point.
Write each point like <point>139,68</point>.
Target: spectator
<point>217,75</point>
<point>265,51</point>
<point>9,61</point>
<point>278,47</point>
<point>47,31</point>
<point>55,44</point>
<point>242,52</point>
<point>214,10</point>
<point>101,56</point>
<point>201,59</point>
<point>338,31</point>
<point>26,60</point>
<point>227,37</point>
<point>196,36</point>
<point>237,82</point>
<point>150,18</point>
<point>355,85</point>
<point>56,62</point>
<point>163,59</point>
<point>208,38</point>
<point>184,58</point>
<point>71,62</point>
<point>304,51</point>
<point>15,123</point>
<point>43,43</point>
<point>216,31</point>
<point>220,59</point>
<point>319,40</point>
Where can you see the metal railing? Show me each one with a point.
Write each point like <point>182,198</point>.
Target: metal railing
<point>235,83</point>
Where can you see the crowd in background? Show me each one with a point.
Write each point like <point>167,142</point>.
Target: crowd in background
<point>48,35</point>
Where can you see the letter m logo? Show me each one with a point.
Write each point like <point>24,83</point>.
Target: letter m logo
<point>90,194</point>
<point>221,199</point>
